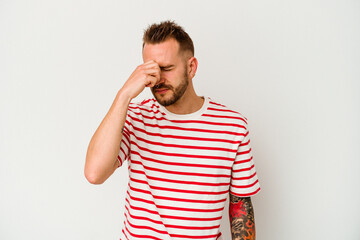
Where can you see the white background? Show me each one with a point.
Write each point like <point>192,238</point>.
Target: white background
<point>291,67</point>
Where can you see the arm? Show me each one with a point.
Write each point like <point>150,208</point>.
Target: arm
<point>104,146</point>
<point>241,214</point>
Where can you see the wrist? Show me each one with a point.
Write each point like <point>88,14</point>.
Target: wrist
<point>123,96</point>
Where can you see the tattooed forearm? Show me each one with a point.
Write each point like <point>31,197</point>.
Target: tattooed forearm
<point>241,215</point>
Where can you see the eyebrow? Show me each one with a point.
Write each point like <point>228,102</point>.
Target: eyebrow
<point>167,66</point>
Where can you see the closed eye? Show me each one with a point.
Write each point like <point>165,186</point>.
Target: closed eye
<point>167,68</point>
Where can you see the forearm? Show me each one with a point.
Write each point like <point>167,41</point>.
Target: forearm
<point>241,215</point>
<point>105,143</point>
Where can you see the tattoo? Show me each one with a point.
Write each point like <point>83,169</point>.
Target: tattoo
<point>122,130</point>
<point>241,215</point>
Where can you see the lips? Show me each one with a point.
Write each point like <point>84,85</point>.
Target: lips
<point>161,90</point>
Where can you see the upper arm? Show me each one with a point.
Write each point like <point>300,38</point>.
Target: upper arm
<point>244,180</point>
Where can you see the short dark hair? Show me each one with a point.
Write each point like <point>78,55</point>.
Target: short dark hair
<point>158,33</point>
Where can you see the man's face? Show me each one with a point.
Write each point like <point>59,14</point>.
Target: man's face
<point>174,79</point>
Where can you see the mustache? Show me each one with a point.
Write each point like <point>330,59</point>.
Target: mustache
<point>161,86</point>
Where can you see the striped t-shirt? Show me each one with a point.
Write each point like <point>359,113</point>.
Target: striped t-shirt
<point>182,168</point>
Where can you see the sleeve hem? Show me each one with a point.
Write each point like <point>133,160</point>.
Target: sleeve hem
<point>245,194</point>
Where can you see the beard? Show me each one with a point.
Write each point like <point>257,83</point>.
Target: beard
<point>177,92</point>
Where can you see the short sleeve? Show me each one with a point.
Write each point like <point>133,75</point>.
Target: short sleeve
<point>124,151</point>
<point>244,180</point>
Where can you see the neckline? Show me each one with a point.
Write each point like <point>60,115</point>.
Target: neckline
<point>198,113</point>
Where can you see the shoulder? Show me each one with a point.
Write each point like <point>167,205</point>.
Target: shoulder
<point>146,105</point>
<point>230,112</point>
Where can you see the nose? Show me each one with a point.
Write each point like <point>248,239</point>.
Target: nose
<point>161,81</point>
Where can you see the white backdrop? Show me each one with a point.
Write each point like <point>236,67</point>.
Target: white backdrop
<point>291,67</point>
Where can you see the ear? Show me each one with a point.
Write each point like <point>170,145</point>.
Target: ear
<point>192,64</point>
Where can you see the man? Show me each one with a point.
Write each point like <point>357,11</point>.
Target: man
<point>185,152</point>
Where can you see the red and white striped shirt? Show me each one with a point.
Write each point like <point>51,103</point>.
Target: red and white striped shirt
<point>181,169</point>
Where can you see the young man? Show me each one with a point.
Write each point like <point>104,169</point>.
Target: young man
<point>185,152</point>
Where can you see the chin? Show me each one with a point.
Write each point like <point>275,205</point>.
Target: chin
<point>165,101</point>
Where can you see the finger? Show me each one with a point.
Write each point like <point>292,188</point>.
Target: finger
<point>151,65</point>
<point>150,81</point>
<point>147,65</point>
<point>153,72</point>
<point>150,61</point>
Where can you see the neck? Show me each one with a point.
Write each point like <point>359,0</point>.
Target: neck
<point>187,104</point>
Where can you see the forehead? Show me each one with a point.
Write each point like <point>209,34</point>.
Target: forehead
<point>163,53</point>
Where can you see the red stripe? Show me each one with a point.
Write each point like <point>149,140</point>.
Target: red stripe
<point>124,232</point>
<point>126,131</point>
<point>150,110</point>
<point>155,105</point>
<point>145,101</point>
<point>141,209</point>
<point>244,178</point>
<point>217,104</point>
<point>243,169</point>
<point>144,227</point>
<point>191,200</point>
<point>119,160</point>
<point>224,116</point>
<point>242,161</point>
<point>165,232</point>
<point>140,139</point>
<point>125,155</point>
<point>142,218</point>
<point>245,186</point>
<point>123,151</point>
<point>186,137</point>
<point>172,216</point>
<point>192,237</point>
<point>169,225</point>
<point>244,152</point>
<point>176,199</point>
<point>244,194</point>
<point>179,163</point>
<point>186,129</point>
<point>127,144</point>
<point>179,181</point>
<point>141,106</point>
<point>223,110</point>
<point>138,235</point>
<point>246,143</point>
<point>187,121</point>
<point>192,227</point>
<point>182,155</point>
<point>180,173</point>
<point>207,122</point>
<point>246,134</point>
<point>175,208</point>
<point>178,190</point>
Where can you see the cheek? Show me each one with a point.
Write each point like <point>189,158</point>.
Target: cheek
<point>169,75</point>
<point>173,75</point>
<point>178,73</point>
<point>165,74</point>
